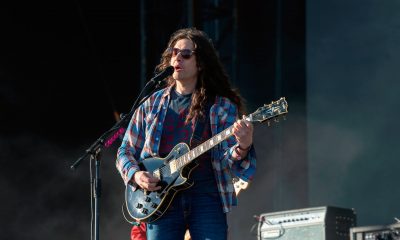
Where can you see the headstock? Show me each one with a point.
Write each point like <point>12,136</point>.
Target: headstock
<point>269,111</point>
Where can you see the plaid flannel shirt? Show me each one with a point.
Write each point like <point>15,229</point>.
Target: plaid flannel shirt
<point>143,135</point>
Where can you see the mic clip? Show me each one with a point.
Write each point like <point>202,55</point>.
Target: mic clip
<point>158,79</point>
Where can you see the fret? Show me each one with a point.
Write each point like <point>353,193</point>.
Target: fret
<point>178,163</point>
<point>173,166</point>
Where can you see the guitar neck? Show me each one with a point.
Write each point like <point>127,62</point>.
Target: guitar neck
<point>200,149</point>
<point>262,114</point>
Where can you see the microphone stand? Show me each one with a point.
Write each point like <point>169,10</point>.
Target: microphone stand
<point>95,149</point>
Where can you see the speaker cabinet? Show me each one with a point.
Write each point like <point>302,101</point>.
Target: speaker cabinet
<point>319,223</point>
<point>388,232</point>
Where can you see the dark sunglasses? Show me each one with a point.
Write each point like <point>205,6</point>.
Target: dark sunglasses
<point>185,53</point>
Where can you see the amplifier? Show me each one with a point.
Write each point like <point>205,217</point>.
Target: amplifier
<point>319,223</point>
<point>389,232</point>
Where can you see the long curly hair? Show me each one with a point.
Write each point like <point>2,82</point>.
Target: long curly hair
<point>212,78</point>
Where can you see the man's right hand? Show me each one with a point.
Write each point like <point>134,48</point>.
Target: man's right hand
<point>146,181</point>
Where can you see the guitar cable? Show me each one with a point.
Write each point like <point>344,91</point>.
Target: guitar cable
<point>91,199</point>
<point>261,219</point>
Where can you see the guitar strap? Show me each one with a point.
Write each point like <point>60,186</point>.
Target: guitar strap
<point>201,123</point>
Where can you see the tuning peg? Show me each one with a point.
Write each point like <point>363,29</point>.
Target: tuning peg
<point>268,123</point>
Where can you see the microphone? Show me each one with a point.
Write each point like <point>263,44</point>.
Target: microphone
<point>160,76</point>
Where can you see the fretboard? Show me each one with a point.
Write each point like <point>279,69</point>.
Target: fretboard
<point>180,162</point>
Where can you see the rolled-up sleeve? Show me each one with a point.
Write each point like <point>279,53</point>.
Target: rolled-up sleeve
<point>244,168</point>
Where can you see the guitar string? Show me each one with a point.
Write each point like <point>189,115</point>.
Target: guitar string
<point>207,146</point>
<point>163,170</point>
<point>225,134</point>
<point>180,161</point>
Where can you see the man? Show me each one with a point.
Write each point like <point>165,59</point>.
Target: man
<point>198,89</point>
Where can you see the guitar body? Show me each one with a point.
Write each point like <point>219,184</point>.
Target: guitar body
<point>148,206</point>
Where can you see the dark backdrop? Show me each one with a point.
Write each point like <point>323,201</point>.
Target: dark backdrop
<point>353,107</point>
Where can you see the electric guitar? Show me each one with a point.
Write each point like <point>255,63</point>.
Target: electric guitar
<point>174,170</point>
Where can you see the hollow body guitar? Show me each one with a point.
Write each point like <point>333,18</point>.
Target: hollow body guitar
<point>174,170</point>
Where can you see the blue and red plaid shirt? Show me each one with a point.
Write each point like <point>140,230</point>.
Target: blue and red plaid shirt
<point>143,135</point>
